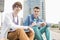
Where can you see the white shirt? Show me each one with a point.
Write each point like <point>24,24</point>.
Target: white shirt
<point>8,21</point>
<point>15,19</point>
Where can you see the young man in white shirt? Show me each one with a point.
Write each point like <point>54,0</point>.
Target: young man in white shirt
<point>13,22</point>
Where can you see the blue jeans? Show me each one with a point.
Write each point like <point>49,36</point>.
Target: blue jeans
<point>39,32</point>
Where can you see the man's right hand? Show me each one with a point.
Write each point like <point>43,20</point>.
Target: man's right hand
<point>33,24</point>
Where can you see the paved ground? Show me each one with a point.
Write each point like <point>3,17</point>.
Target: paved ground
<point>55,34</point>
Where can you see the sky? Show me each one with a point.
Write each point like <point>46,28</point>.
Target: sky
<point>52,11</point>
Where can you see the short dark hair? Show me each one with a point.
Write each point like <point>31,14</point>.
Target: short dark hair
<point>36,8</point>
<point>17,4</point>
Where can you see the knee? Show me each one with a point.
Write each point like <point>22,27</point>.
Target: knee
<point>33,33</point>
<point>19,30</point>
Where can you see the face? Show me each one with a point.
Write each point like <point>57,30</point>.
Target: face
<point>36,12</point>
<point>17,9</point>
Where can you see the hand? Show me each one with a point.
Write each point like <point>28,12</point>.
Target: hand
<point>43,24</point>
<point>31,30</point>
<point>26,27</point>
<point>33,24</point>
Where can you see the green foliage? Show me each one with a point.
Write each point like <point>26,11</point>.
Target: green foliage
<point>55,26</point>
